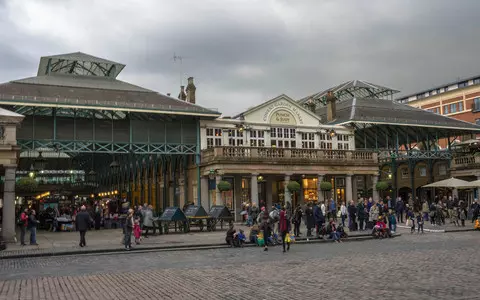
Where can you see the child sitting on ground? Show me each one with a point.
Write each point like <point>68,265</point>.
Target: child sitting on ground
<point>253,234</point>
<point>381,229</point>
<point>239,239</point>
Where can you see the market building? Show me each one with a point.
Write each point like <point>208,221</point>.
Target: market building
<point>264,148</point>
<point>459,100</point>
<point>90,136</point>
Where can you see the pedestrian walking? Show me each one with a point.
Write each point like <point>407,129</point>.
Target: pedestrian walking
<point>284,228</point>
<point>147,219</point>
<point>82,223</point>
<point>310,219</point>
<point>420,222</point>
<point>128,230</point>
<point>297,220</point>
<point>32,226</point>
<point>23,222</point>
<point>266,227</point>
<point>343,213</point>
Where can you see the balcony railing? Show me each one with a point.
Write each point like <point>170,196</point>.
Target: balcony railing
<point>466,162</point>
<point>288,155</point>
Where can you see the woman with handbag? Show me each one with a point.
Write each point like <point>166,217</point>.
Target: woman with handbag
<point>284,225</point>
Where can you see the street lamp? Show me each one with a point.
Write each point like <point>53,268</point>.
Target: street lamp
<point>212,173</point>
<point>40,162</point>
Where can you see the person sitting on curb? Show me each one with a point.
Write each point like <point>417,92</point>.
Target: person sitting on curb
<point>230,236</point>
<point>332,231</point>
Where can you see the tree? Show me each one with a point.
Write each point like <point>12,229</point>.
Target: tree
<point>224,186</point>
<point>26,184</point>
<point>293,186</point>
<point>325,186</point>
<point>382,186</point>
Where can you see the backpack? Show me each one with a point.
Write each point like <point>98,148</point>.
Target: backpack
<point>20,222</point>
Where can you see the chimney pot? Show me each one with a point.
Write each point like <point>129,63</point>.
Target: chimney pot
<point>191,88</point>
<point>182,95</point>
<point>168,94</point>
<point>331,107</point>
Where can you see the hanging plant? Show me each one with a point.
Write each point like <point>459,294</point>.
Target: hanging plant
<point>26,184</point>
<point>382,185</point>
<point>224,186</point>
<point>326,186</point>
<point>293,186</point>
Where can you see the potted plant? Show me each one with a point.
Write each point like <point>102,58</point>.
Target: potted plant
<point>293,187</point>
<point>325,186</point>
<point>224,186</point>
<point>382,186</point>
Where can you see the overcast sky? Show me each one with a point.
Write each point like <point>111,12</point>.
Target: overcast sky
<point>244,52</point>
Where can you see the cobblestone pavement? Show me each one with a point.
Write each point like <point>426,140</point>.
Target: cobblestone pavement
<point>430,266</point>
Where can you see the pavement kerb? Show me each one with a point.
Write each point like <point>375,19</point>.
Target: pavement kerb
<point>169,248</point>
<point>440,230</point>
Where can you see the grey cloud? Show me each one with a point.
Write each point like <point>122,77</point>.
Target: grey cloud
<point>242,56</point>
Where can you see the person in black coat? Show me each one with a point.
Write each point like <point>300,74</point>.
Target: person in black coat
<point>310,220</point>
<point>83,222</point>
<point>319,218</point>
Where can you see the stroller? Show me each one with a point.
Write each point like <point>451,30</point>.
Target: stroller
<point>380,233</point>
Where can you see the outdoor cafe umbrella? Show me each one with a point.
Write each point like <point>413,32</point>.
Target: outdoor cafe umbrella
<point>453,183</point>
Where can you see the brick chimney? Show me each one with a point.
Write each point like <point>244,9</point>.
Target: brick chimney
<point>191,91</point>
<point>182,95</point>
<point>331,107</point>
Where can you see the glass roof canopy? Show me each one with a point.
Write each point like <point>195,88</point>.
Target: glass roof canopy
<point>79,63</point>
<point>352,89</point>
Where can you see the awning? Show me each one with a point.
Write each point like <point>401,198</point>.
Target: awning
<point>453,183</point>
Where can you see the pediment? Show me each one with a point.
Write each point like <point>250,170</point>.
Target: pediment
<point>281,110</point>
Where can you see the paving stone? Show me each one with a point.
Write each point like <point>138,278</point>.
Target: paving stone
<point>430,266</point>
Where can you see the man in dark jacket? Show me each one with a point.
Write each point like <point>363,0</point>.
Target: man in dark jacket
<point>399,210</point>
<point>319,218</point>
<point>83,222</point>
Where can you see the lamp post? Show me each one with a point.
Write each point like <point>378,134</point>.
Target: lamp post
<point>40,162</point>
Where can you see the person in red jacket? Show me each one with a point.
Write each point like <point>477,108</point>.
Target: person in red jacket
<point>284,225</point>
<point>23,225</point>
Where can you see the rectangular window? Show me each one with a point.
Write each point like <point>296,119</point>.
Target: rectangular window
<point>404,173</point>
<point>214,137</point>
<point>308,140</point>
<point>423,171</point>
<point>445,109</point>
<point>477,121</point>
<point>257,138</point>
<point>283,137</point>
<point>476,81</point>
<point>453,108</point>
<point>476,105</point>
<point>235,137</point>
<point>442,170</point>
<point>460,106</point>
<point>462,84</point>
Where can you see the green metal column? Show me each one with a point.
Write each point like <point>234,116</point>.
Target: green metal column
<point>149,180</point>
<point>173,172</point>
<point>185,179</point>
<point>165,183</point>
<point>54,115</point>
<point>197,162</point>
<point>155,178</point>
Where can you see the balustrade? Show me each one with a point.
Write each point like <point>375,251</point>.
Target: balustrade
<point>287,154</point>
<point>466,161</point>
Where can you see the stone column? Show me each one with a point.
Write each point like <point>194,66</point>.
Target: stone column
<point>319,190</point>
<point>478,189</point>
<point>268,191</point>
<point>355,188</point>
<point>287,195</point>
<point>348,189</point>
<point>254,189</point>
<point>374,187</point>
<point>204,193</point>
<point>218,195</point>
<point>8,217</point>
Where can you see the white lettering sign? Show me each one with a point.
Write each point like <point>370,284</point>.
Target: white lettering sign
<point>282,117</point>
<point>288,106</point>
